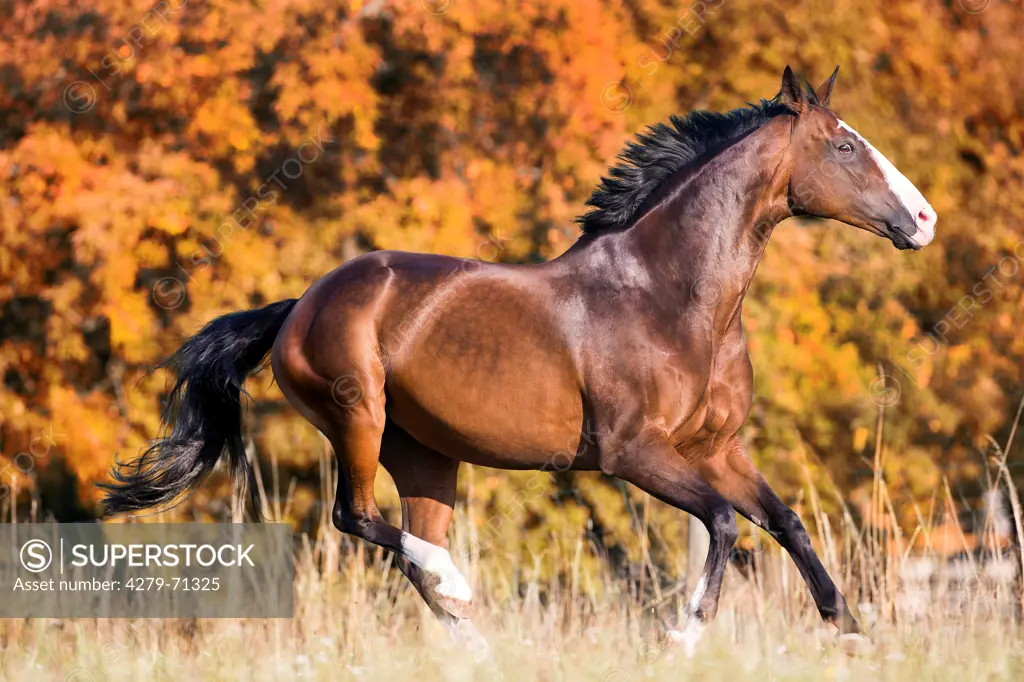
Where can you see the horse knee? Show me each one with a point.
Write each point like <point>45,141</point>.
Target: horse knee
<point>722,526</point>
<point>791,523</point>
<point>792,531</point>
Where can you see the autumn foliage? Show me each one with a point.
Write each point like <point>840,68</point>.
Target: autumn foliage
<point>164,162</point>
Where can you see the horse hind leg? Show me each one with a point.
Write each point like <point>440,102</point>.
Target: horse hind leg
<point>357,438</point>
<point>426,483</point>
<point>350,412</point>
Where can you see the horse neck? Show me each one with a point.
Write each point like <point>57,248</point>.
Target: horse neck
<point>704,238</point>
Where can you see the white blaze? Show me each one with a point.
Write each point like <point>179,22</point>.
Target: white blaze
<point>911,198</point>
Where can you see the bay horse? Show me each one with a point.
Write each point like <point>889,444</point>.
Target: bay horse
<point>624,355</point>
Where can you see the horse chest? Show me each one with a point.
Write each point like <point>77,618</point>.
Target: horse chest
<point>712,415</point>
<point>720,412</point>
<point>718,409</point>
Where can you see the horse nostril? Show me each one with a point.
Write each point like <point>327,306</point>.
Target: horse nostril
<point>923,216</point>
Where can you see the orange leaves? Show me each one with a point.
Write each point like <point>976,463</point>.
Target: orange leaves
<point>420,215</point>
<point>477,128</point>
<point>87,426</point>
<point>223,127</point>
<point>328,81</point>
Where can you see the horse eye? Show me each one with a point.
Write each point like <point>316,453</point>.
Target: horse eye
<point>846,148</point>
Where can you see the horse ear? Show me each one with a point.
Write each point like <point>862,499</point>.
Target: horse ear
<point>793,96</point>
<point>824,93</point>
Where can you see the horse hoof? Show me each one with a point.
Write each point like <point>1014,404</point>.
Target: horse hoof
<point>688,637</point>
<point>854,643</point>
<point>456,607</point>
<point>449,591</point>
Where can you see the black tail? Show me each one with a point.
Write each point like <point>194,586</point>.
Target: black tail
<point>203,416</point>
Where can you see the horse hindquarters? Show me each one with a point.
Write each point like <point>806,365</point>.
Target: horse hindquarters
<point>326,362</point>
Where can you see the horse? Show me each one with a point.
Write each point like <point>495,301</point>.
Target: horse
<point>625,355</point>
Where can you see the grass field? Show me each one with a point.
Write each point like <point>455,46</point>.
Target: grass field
<point>358,619</point>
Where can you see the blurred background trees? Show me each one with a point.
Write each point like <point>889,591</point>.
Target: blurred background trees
<point>164,162</point>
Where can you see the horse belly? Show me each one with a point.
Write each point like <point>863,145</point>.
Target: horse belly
<point>491,421</point>
<point>486,383</point>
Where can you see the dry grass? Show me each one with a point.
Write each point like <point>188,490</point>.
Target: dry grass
<point>357,618</point>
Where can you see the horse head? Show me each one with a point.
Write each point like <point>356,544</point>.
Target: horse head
<point>837,174</point>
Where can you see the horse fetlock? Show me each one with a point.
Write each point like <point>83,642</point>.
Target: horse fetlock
<point>703,604</point>
<point>834,610</point>
<point>441,578</point>
<point>706,610</point>
<point>844,620</point>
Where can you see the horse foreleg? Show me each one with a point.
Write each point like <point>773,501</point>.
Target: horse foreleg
<point>657,469</point>
<point>733,474</point>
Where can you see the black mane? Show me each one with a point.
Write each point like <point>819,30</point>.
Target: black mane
<point>662,150</point>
